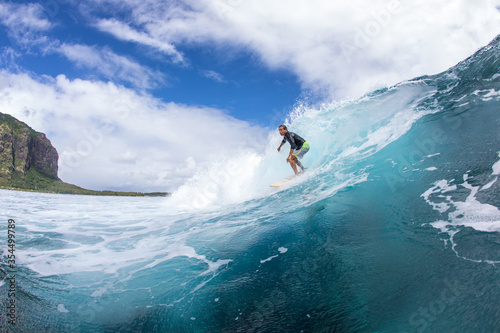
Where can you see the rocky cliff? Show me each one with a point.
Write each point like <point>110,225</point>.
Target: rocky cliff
<point>22,148</point>
<point>28,162</point>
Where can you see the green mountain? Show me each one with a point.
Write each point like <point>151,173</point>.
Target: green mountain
<point>28,161</point>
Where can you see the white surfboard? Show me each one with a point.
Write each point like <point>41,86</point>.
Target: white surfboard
<point>285,181</point>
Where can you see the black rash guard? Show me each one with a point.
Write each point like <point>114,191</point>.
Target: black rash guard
<point>295,141</point>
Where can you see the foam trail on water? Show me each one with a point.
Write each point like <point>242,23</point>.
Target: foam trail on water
<point>469,213</point>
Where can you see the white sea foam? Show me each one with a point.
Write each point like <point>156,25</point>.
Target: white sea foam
<point>490,184</point>
<point>494,77</point>
<point>62,309</point>
<point>439,187</point>
<point>113,235</point>
<point>268,259</point>
<point>496,167</point>
<point>463,213</point>
<point>487,94</point>
<point>468,213</point>
<point>280,250</point>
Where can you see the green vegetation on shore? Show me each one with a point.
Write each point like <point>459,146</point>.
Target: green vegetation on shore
<point>35,181</point>
<point>15,125</point>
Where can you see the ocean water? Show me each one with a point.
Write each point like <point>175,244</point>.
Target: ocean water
<point>394,227</point>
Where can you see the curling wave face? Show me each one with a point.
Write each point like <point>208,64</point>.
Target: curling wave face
<point>394,227</point>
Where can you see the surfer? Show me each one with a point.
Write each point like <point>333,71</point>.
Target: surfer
<point>298,147</point>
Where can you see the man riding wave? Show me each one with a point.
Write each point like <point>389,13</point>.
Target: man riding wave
<point>298,147</point>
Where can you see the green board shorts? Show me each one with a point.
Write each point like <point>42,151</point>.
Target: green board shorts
<point>299,153</point>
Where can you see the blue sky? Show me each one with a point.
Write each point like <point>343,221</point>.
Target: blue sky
<point>238,82</point>
<point>131,92</point>
<point>231,79</point>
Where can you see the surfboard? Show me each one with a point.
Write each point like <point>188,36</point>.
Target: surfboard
<point>283,182</point>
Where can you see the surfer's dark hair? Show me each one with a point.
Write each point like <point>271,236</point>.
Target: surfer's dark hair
<point>284,127</point>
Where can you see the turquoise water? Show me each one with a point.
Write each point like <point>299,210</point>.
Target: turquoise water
<point>395,227</point>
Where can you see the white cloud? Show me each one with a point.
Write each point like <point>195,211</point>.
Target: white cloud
<point>8,57</point>
<point>25,23</point>
<point>28,28</point>
<point>343,47</point>
<point>111,65</point>
<point>126,33</point>
<point>110,137</point>
<point>213,75</point>
<point>128,157</point>
<point>24,16</point>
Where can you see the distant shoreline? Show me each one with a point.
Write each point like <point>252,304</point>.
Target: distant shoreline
<point>34,181</point>
<point>91,192</point>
